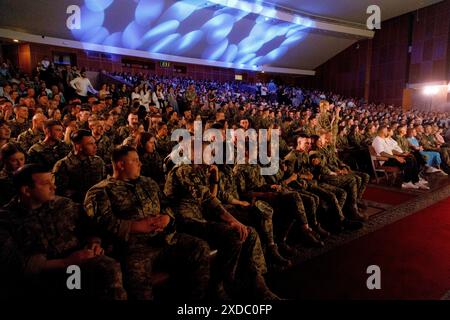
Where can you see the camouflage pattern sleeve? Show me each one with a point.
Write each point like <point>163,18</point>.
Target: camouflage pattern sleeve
<point>61,178</point>
<point>98,206</point>
<point>196,187</point>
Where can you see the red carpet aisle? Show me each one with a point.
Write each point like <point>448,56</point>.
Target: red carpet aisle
<point>413,254</point>
<point>390,197</point>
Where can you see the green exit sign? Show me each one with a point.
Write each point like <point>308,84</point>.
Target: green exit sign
<point>164,64</point>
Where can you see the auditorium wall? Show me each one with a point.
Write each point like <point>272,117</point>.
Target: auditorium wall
<point>96,61</point>
<point>409,49</point>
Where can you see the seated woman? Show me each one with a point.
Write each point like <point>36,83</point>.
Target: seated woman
<point>432,158</point>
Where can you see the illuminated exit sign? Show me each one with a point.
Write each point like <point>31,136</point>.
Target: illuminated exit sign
<point>164,64</point>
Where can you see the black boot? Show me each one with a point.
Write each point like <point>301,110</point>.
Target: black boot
<point>309,239</point>
<point>286,250</point>
<point>275,258</point>
<point>320,231</point>
<point>262,291</point>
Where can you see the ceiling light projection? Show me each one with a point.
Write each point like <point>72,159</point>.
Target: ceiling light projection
<point>243,33</point>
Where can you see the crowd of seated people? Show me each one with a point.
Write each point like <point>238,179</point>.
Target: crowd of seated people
<point>87,180</point>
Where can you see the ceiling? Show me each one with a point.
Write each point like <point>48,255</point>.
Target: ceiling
<point>229,33</point>
<point>353,10</point>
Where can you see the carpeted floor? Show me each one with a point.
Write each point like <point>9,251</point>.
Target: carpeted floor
<point>412,253</point>
<point>391,197</point>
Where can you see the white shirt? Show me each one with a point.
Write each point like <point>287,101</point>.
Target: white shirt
<point>382,145</point>
<point>82,86</point>
<point>393,145</point>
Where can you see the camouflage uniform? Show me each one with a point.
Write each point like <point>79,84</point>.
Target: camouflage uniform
<point>121,134</point>
<point>28,138</point>
<point>105,148</point>
<point>74,175</point>
<point>6,186</point>
<point>164,146</point>
<point>332,197</point>
<point>403,143</point>
<point>429,143</point>
<point>251,182</point>
<point>259,213</point>
<point>334,163</point>
<point>17,128</point>
<point>342,142</point>
<point>31,237</point>
<point>187,187</point>
<point>346,182</point>
<point>152,166</point>
<point>47,155</point>
<point>114,205</point>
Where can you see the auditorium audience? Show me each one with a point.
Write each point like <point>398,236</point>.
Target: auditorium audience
<point>137,113</point>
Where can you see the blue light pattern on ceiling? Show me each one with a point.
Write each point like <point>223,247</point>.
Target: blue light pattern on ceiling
<point>162,27</point>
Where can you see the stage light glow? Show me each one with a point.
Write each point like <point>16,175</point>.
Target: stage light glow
<point>216,51</point>
<point>147,11</point>
<point>113,40</point>
<point>131,37</point>
<point>231,53</point>
<point>189,40</point>
<point>180,10</point>
<point>89,20</point>
<point>161,30</point>
<point>430,90</point>
<point>98,5</point>
<point>159,26</point>
<point>163,43</point>
<point>96,35</point>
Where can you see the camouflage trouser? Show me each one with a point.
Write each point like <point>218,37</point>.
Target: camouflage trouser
<point>333,197</point>
<point>362,179</point>
<point>186,259</point>
<point>311,204</point>
<point>349,184</point>
<point>232,254</point>
<point>101,278</point>
<point>259,215</point>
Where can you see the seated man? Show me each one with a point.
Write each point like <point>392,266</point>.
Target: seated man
<point>396,158</point>
<point>80,169</point>
<point>42,234</point>
<point>202,214</point>
<point>131,210</point>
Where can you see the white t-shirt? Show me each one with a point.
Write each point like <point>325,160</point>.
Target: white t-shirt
<point>382,145</point>
<point>82,86</point>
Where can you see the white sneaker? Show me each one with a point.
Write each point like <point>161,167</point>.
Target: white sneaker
<point>409,185</point>
<point>422,186</point>
<point>431,170</point>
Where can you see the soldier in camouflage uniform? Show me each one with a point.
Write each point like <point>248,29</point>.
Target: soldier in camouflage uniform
<point>103,142</point>
<point>124,132</point>
<point>13,158</point>
<point>20,123</point>
<point>34,134</point>
<point>80,169</point>
<point>240,259</point>
<point>332,198</point>
<point>42,234</point>
<point>132,210</point>
<point>340,180</point>
<point>336,165</point>
<point>52,148</point>
<point>258,214</point>
<point>163,143</point>
<point>251,184</point>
